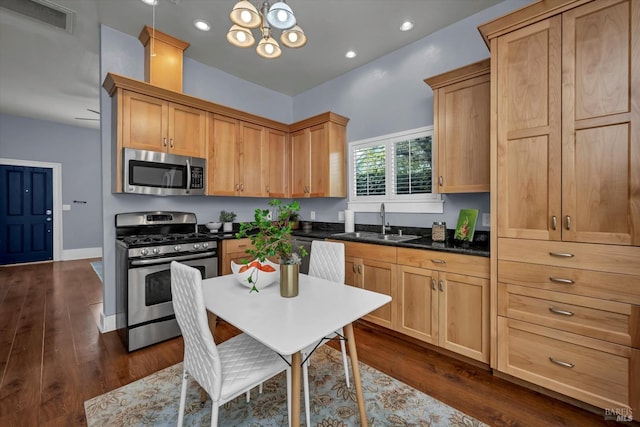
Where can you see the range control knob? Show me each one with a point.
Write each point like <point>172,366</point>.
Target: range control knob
<point>177,248</point>
<point>144,251</point>
<point>205,245</point>
<point>196,246</point>
<point>156,251</point>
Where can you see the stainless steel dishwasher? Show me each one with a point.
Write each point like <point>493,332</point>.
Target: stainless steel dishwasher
<point>305,242</point>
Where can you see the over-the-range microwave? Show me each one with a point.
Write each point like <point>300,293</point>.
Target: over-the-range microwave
<point>162,174</point>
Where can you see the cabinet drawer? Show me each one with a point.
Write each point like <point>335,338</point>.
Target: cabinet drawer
<point>598,373</point>
<point>606,320</point>
<point>445,261</point>
<point>610,286</point>
<point>609,258</point>
<point>236,245</point>
<point>370,251</point>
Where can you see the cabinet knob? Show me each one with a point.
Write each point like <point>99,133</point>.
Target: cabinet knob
<point>438,261</point>
<point>561,363</point>
<point>171,142</point>
<point>560,312</point>
<point>441,283</point>
<point>440,181</point>
<point>164,142</point>
<point>568,222</point>
<point>433,284</point>
<point>554,223</point>
<point>561,280</point>
<point>267,189</point>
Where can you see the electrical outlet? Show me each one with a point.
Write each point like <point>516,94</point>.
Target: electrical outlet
<point>486,219</point>
<point>312,215</point>
<point>340,215</point>
<point>269,215</point>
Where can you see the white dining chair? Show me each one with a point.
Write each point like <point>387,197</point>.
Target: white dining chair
<point>326,261</point>
<point>224,371</point>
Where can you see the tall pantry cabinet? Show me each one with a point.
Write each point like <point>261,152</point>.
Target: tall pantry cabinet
<point>565,139</point>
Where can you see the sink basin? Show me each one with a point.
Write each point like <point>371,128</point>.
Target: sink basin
<point>373,236</point>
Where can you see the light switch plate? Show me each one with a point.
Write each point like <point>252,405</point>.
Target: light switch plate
<point>66,207</point>
<point>312,215</point>
<point>486,219</point>
<point>340,215</point>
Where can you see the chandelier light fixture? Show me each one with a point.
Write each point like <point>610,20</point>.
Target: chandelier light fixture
<point>245,17</point>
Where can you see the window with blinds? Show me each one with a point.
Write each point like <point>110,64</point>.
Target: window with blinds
<point>394,167</point>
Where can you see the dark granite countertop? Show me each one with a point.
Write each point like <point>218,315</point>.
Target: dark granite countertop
<point>324,230</point>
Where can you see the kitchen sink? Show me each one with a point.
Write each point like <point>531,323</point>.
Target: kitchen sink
<point>375,236</point>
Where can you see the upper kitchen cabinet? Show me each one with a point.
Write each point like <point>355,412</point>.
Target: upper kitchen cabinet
<point>150,123</point>
<point>318,157</point>
<point>567,106</point>
<point>278,153</point>
<point>237,158</point>
<point>461,108</point>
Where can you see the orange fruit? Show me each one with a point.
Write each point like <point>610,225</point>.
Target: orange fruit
<point>243,268</point>
<point>267,268</point>
<point>255,264</point>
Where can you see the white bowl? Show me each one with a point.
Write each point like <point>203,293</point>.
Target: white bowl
<point>260,278</point>
<point>213,226</point>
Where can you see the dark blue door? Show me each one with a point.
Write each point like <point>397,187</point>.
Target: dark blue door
<point>26,214</point>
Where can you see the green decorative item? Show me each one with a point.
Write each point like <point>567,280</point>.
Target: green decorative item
<point>272,238</point>
<point>227,216</point>
<point>466,224</point>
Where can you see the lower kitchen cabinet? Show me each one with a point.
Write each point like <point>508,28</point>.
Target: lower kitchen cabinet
<point>373,267</point>
<point>443,299</point>
<point>437,297</point>
<point>233,250</point>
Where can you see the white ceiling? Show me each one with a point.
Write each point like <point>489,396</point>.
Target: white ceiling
<point>49,74</point>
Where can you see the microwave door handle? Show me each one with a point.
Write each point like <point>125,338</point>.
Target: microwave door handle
<point>188,175</point>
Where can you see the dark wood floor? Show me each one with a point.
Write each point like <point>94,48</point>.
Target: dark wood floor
<point>53,358</point>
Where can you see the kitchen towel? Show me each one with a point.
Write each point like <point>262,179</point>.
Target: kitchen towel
<point>349,221</point>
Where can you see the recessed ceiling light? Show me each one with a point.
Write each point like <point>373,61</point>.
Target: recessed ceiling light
<point>150,2</point>
<point>350,54</point>
<point>202,25</point>
<point>406,26</point>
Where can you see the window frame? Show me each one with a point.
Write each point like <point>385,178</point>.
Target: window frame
<point>410,203</point>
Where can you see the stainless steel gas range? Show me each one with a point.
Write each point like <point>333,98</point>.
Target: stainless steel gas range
<point>146,243</point>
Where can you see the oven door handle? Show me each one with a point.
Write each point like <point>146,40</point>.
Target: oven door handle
<point>174,258</point>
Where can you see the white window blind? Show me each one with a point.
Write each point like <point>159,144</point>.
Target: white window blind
<point>395,169</point>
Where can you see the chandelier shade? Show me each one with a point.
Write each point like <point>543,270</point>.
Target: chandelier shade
<point>279,16</point>
<point>268,48</point>
<point>293,37</point>
<point>240,37</point>
<point>245,14</point>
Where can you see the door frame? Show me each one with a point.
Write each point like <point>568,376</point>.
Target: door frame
<point>57,198</point>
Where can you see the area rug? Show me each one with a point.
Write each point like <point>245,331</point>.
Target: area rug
<point>155,400</point>
<point>97,267</point>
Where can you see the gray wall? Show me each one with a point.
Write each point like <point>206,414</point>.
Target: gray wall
<point>365,95</point>
<point>77,149</point>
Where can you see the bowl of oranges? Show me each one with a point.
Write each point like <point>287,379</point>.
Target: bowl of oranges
<point>256,274</point>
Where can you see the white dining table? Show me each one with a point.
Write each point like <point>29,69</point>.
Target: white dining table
<point>289,325</point>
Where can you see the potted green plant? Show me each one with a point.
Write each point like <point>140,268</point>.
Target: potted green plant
<point>271,238</point>
<point>227,218</point>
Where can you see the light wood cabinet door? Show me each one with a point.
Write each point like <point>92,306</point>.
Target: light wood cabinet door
<point>253,161</point>
<point>600,123</point>
<point>278,164</point>
<point>233,250</point>
<point>379,276</point>
<point>418,303</point>
<point>461,100</point>
<point>528,132</point>
<point>187,131</point>
<point>463,306</point>
<point>223,156</point>
<point>145,122</point>
<point>318,161</point>
<point>300,160</point>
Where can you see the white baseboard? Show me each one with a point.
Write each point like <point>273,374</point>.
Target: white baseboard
<point>84,253</point>
<point>107,323</point>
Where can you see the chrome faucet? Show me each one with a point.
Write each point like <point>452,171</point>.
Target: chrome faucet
<point>383,216</point>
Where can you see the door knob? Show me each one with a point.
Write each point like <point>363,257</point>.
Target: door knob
<point>48,218</point>
<point>48,212</point>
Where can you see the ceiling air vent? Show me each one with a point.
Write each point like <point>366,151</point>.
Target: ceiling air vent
<point>42,11</point>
